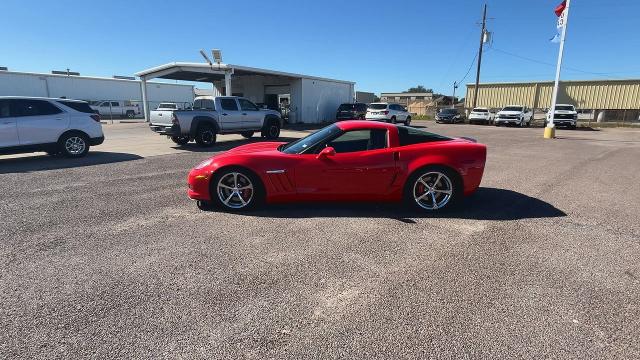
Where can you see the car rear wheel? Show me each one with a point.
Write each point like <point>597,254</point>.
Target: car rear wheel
<point>206,136</point>
<point>433,188</point>
<point>131,114</point>
<point>236,189</point>
<point>408,121</point>
<point>180,140</point>
<point>247,134</point>
<point>393,119</point>
<point>73,145</point>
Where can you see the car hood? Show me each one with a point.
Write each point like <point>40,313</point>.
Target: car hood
<point>257,147</point>
<point>510,113</point>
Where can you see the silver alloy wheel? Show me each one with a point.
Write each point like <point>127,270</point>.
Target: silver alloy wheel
<point>432,190</point>
<point>75,145</point>
<point>235,190</point>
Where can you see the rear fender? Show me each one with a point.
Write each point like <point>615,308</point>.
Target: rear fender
<point>201,120</point>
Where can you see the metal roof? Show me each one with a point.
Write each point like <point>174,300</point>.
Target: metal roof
<point>209,73</point>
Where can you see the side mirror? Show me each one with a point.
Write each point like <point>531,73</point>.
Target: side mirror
<point>326,152</point>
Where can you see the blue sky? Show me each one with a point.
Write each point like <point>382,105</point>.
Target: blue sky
<point>381,45</point>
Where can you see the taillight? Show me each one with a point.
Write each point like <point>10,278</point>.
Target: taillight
<point>95,117</point>
<point>386,112</point>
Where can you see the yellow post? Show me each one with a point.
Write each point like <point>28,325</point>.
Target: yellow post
<point>549,132</point>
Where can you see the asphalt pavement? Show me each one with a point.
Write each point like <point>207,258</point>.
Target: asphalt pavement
<point>105,257</point>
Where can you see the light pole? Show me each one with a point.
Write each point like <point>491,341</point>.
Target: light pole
<point>549,130</point>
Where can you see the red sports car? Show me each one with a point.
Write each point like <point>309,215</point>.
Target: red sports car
<point>345,161</point>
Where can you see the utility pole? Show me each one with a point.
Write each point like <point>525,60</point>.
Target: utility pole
<point>453,99</point>
<point>484,29</point>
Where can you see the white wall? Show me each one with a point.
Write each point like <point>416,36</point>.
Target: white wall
<point>84,88</point>
<point>321,99</point>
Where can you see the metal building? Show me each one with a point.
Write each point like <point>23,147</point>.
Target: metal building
<point>91,88</point>
<point>308,99</point>
<point>584,94</point>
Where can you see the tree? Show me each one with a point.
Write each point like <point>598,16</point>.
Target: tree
<point>419,89</point>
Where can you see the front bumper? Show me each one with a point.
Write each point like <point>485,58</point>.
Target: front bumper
<point>508,121</point>
<point>173,130</point>
<point>198,183</point>
<point>564,122</point>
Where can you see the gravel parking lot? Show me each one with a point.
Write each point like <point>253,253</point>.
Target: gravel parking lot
<point>106,257</point>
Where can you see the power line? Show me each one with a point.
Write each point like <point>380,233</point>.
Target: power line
<point>469,70</point>
<point>550,64</point>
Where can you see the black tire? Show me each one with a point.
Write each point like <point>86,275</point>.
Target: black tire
<point>407,121</point>
<point>393,120</point>
<point>455,188</point>
<point>253,199</point>
<point>572,127</point>
<point>204,205</point>
<point>131,114</point>
<point>362,117</point>
<point>180,140</point>
<point>206,135</point>
<point>73,145</point>
<point>271,129</point>
<point>247,134</point>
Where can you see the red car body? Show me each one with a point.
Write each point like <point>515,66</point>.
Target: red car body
<point>371,175</point>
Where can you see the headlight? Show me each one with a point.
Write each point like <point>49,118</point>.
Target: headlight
<point>203,164</point>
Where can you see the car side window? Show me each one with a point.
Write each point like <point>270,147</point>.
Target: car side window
<point>105,104</point>
<point>4,109</point>
<point>229,104</point>
<point>246,105</point>
<point>32,108</point>
<point>359,140</point>
<point>115,103</point>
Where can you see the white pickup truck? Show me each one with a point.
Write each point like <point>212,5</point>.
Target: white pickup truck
<point>514,114</point>
<point>565,115</point>
<point>211,116</point>
<point>108,109</point>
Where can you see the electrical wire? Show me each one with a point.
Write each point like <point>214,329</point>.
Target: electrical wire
<point>469,70</point>
<point>608,75</point>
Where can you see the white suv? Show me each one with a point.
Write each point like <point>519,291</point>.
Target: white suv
<point>392,113</point>
<point>481,115</point>
<point>57,126</point>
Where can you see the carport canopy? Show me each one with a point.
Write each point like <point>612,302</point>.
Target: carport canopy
<point>204,72</point>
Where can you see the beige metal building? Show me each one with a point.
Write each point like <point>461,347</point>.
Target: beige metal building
<point>618,98</point>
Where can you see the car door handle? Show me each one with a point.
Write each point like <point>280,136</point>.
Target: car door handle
<point>58,119</point>
<point>244,113</point>
<point>8,122</point>
<point>396,156</point>
<point>224,114</point>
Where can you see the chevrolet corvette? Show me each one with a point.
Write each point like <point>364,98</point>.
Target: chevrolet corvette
<point>349,161</point>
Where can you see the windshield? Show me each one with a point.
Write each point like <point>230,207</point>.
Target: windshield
<point>307,142</point>
<point>565,107</point>
<point>480,110</point>
<point>378,106</point>
<point>167,106</point>
<point>512,108</point>
<point>347,107</point>
<point>449,111</point>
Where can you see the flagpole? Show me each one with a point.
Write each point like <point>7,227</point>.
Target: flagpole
<point>554,98</point>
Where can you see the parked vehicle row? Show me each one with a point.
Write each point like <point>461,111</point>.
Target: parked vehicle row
<point>381,111</point>
<point>56,126</point>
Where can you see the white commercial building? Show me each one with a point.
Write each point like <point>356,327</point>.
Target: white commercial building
<point>307,99</point>
<point>91,88</point>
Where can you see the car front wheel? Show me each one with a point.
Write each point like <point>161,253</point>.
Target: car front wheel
<point>433,188</point>
<point>236,189</point>
<point>408,121</point>
<point>271,130</point>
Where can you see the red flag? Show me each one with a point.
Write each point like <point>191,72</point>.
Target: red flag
<point>560,8</point>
